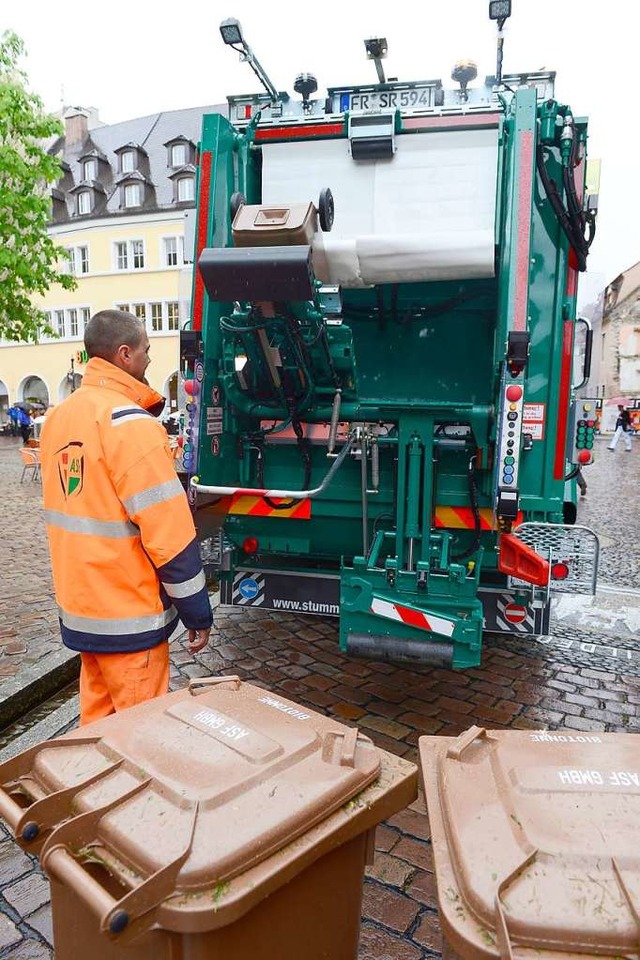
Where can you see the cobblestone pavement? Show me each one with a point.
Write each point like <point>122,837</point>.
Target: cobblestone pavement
<point>611,509</point>
<point>28,619</point>
<point>585,679</point>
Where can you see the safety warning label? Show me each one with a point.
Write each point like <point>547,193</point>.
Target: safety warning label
<point>533,417</point>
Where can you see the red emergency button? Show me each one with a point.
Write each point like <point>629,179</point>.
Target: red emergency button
<point>514,393</point>
<point>584,457</point>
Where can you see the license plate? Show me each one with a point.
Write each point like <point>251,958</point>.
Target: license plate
<point>418,98</point>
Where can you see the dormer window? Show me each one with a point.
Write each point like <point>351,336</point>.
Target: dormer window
<point>128,161</point>
<point>84,202</point>
<point>185,189</point>
<point>179,155</point>
<point>132,195</point>
<point>88,198</point>
<point>135,190</point>
<point>90,169</point>
<point>180,152</point>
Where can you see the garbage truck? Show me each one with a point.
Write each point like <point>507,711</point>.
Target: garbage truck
<point>384,418</point>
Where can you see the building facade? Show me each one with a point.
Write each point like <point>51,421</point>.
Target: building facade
<point>621,334</point>
<point>620,348</point>
<point>118,210</point>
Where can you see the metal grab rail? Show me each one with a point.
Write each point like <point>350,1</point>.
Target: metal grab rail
<point>285,494</point>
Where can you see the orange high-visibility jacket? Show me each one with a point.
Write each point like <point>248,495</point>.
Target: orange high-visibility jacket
<point>124,553</point>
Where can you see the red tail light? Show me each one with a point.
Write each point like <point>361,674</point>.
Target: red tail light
<point>559,571</point>
<point>250,545</point>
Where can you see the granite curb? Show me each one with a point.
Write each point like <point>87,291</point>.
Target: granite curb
<point>31,686</point>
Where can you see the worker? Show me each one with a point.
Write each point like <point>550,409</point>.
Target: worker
<point>125,558</point>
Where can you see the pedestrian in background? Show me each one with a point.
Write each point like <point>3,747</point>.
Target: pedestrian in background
<point>623,426</point>
<point>24,421</point>
<point>15,420</point>
<point>125,558</point>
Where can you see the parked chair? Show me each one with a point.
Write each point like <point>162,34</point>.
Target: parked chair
<point>30,462</point>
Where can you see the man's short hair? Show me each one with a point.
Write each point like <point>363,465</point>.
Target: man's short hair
<point>109,329</point>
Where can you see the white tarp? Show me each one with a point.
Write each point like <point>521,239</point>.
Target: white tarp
<point>426,214</point>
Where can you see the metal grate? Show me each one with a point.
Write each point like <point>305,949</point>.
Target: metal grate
<point>577,547</point>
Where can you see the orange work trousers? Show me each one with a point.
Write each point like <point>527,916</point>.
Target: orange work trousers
<point>115,681</point>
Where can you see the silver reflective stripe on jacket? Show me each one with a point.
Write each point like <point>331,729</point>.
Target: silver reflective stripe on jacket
<point>113,628</point>
<point>152,495</point>
<point>187,588</point>
<point>128,413</point>
<point>99,528</point>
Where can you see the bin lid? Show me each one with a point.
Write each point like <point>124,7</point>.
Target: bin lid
<point>536,840</point>
<point>240,769</point>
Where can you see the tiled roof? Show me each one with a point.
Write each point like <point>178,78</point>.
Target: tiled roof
<point>150,135</point>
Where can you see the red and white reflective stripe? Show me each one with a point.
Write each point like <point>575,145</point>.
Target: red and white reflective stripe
<point>451,122</point>
<point>523,255</point>
<point>412,617</point>
<point>204,195</point>
<point>301,131</point>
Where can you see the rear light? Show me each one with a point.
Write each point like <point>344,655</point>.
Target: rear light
<point>250,545</point>
<point>559,571</point>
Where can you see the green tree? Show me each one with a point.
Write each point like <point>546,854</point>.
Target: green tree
<point>29,258</point>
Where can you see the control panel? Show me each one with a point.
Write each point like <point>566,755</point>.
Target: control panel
<point>581,431</point>
<point>508,448</point>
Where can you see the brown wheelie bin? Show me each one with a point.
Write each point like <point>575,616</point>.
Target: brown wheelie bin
<point>536,840</point>
<point>220,821</point>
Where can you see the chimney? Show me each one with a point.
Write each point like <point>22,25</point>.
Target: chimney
<point>76,126</point>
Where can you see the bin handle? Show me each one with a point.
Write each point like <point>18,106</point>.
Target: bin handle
<point>502,929</point>
<point>198,684</point>
<point>465,740</point>
<point>349,747</point>
<point>134,913</point>
<point>43,814</point>
<point>633,906</point>
<point>10,810</point>
<point>12,777</point>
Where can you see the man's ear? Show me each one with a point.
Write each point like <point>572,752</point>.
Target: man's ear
<point>122,356</point>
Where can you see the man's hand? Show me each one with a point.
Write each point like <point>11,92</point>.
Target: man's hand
<point>197,639</point>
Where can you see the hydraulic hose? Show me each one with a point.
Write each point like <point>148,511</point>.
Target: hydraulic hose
<point>576,241</point>
<point>473,498</point>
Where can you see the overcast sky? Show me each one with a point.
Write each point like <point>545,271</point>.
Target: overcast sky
<point>132,59</point>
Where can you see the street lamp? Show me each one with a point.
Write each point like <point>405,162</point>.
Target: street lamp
<point>71,377</point>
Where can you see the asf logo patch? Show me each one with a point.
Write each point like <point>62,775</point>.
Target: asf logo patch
<point>70,460</point>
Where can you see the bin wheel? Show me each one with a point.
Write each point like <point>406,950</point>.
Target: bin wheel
<point>326,209</point>
<point>237,200</point>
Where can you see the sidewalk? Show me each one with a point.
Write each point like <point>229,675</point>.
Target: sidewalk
<point>586,679</point>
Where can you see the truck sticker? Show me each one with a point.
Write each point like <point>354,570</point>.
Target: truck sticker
<point>533,417</point>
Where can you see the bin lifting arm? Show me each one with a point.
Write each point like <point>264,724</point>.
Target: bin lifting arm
<point>518,559</point>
